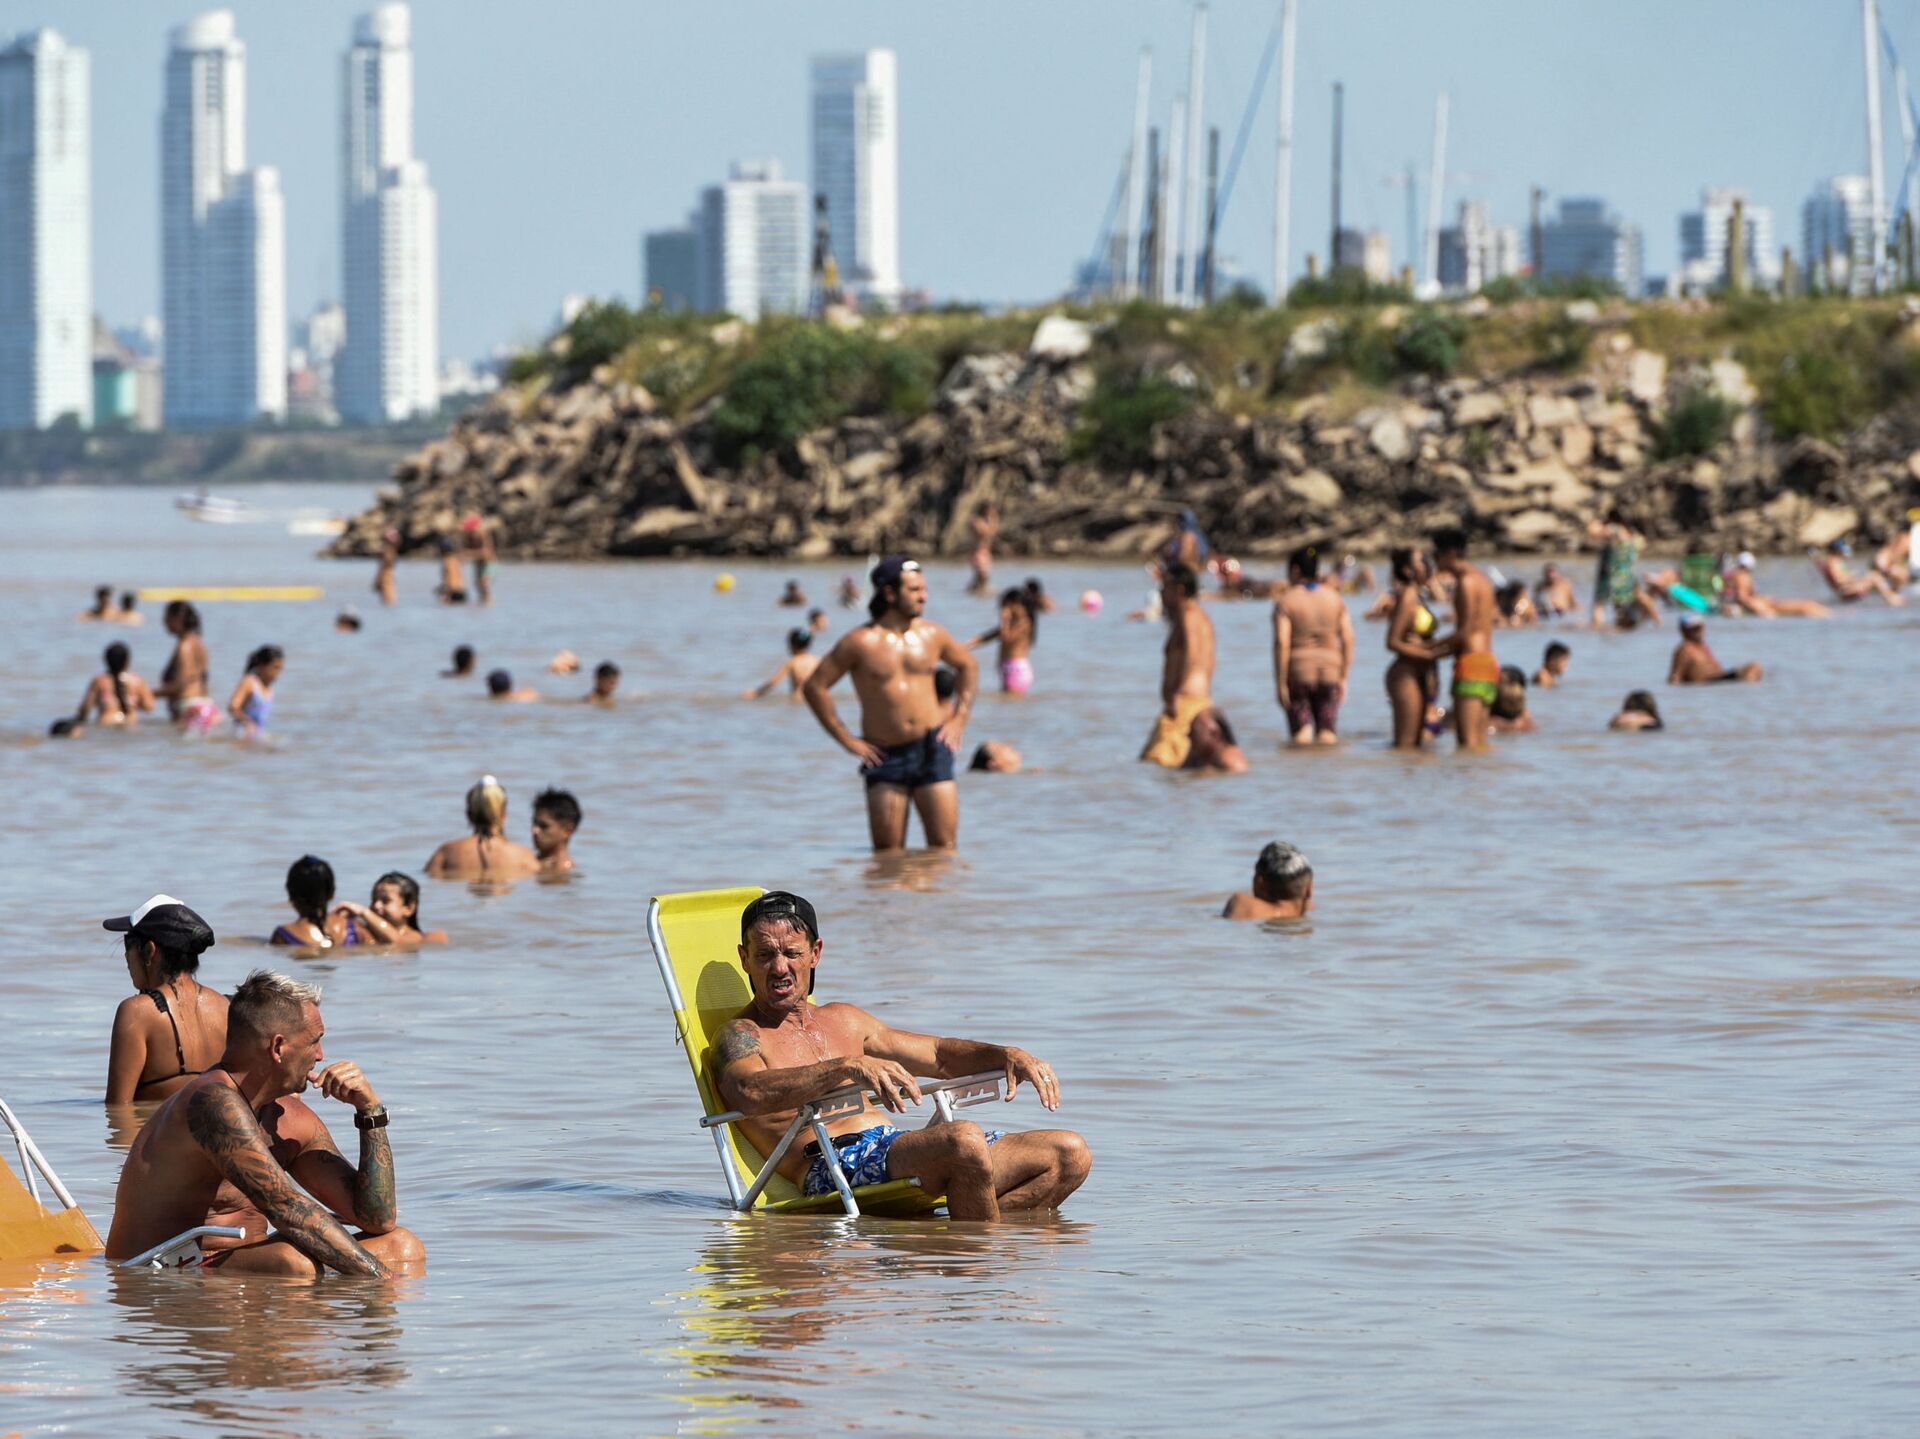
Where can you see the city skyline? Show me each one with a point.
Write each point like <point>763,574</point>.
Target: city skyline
<point>1007,153</point>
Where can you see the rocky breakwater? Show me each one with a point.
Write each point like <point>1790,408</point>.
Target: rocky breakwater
<point>1524,462</point>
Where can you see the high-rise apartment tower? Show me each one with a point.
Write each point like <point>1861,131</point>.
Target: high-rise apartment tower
<point>46,242</point>
<point>390,277</point>
<point>856,165</point>
<point>223,249</point>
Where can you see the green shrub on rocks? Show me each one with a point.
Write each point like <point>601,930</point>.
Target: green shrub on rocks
<point>1430,344</point>
<point>1117,423</point>
<point>800,377</point>
<point>1698,422</point>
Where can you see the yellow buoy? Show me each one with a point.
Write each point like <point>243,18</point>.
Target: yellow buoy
<point>234,592</point>
<point>723,583</point>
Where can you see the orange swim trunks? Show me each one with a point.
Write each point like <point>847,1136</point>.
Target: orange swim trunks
<point>1477,677</point>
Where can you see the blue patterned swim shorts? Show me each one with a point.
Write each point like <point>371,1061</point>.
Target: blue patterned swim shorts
<point>863,1159</point>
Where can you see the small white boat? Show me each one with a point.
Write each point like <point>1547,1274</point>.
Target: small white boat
<point>316,524</point>
<point>214,509</point>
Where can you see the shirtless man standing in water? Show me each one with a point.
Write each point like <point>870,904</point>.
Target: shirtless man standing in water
<point>1476,673</point>
<point>907,742</point>
<point>242,1125</point>
<point>1186,673</point>
<point>1312,651</point>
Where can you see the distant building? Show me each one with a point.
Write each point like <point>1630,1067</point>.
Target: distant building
<point>670,267</point>
<point>1837,233</point>
<point>1476,251</point>
<point>754,251</point>
<point>1369,253</point>
<point>1704,236</point>
<point>222,240</point>
<point>126,382</point>
<point>390,273</point>
<point>856,165</point>
<point>1588,242</point>
<point>46,242</point>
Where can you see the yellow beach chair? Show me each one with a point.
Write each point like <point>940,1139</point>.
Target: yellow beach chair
<point>28,1228</point>
<point>696,936</point>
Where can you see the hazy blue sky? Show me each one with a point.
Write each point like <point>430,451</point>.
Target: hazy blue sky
<point>556,132</point>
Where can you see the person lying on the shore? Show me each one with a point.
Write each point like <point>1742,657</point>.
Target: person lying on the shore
<point>116,696</point>
<point>783,1051</point>
<point>792,597</point>
<point>317,923</point>
<point>396,899</point>
<point>462,664</point>
<point>606,681</point>
<point>556,815</point>
<point>1695,664</point>
<point>1849,588</point>
<point>1186,668</point>
<point>242,1124</point>
<point>907,740</point>
<point>1741,595</point>
<point>1213,746</point>
<point>487,853</point>
<point>795,670</point>
<point>1282,886</point>
<point>996,756</point>
<point>1510,715</point>
<point>1637,711</point>
<point>500,687</point>
<point>252,703</point>
<point>172,1027</point>
<point>1553,593</point>
<point>1553,665</point>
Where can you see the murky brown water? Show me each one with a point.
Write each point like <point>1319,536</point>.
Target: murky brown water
<point>1583,1103</point>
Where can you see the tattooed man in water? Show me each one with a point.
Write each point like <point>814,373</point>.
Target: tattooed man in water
<point>237,1146</point>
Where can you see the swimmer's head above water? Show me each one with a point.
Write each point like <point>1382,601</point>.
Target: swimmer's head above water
<point>487,806</point>
<point>274,1022</point>
<point>1282,873</point>
<point>310,888</point>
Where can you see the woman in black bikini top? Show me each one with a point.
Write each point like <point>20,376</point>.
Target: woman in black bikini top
<point>161,961</point>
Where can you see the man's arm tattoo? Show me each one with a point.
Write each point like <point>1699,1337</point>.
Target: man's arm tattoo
<point>373,1198</point>
<point>223,1126</point>
<point>735,1042</point>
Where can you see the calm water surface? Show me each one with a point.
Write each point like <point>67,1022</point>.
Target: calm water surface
<point>1583,1102</point>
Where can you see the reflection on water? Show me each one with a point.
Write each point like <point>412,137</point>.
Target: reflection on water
<point>209,1345</point>
<point>777,1308</point>
<point>1580,1104</point>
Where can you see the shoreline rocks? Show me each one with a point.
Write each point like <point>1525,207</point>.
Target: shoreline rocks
<point>1524,463</point>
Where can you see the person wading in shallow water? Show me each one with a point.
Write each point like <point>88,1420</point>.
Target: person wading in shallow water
<point>242,1123</point>
<point>907,740</point>
<point>784,1050</point>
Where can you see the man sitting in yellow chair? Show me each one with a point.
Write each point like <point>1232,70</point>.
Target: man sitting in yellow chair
<point>784,1051</point>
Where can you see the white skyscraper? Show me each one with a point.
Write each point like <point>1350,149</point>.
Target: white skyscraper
<point>46,241</point>
<point>1704,234</point>
<point>1836,230</point>
<point>390,278</point>
<point>1476,250</point>
<point>754,244</point>
<point>223,234</point>
<point>856,165</point>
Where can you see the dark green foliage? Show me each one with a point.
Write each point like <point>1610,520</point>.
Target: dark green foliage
<point>1508,288</point>
<point>1344,287</point>
<point>1698,423</point>
<point>1822,391</point>
<point>597,336</point>
<point>1429,344</point>
<point>803,376</point>
<point>1117,423</point>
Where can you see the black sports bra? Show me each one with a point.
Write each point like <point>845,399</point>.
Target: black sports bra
<point>159,999</point>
